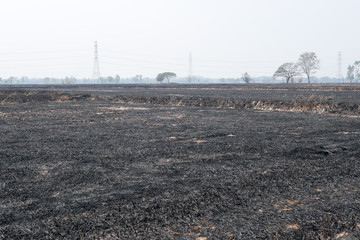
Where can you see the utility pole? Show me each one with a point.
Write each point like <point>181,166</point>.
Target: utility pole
<point>96,70</point>
<point>340,76</point>
<point>190,69</point>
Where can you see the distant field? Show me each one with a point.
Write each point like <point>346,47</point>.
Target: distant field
<point>180,162</point>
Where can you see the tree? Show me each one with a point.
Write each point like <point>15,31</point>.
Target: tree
<point>288,71</point>
<point>309,63</point>
<point>117,79</point>
<point>357,70</point>
<point>160,77</point>
<point>137,78</point>
<point>24,79</point>
<point>350,73</point>
<point>11,80</point>
<point>246,78</point>
<point>69,80</point>
<point>166,75</point>
<point>110,79</point>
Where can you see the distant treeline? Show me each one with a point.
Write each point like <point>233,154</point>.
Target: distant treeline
<point>138,79</point>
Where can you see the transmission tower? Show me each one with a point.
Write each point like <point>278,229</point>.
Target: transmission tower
<point>96,70</point>
<point>190,69</point>
<point>340,76</point>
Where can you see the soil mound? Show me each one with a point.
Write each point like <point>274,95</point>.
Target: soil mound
<point>266,105</point>
<point>312,104</point>
<point>19,96</point>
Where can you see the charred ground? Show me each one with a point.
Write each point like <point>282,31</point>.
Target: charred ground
<point>180,162</point>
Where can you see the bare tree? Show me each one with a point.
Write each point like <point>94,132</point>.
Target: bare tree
<point>246,78</point>
<point>309,63</point>
<point>288,71</point>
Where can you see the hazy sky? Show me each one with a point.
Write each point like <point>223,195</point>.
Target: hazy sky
<point>226,37</point>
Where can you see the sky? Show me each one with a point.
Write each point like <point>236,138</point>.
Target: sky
<point>42,38</point>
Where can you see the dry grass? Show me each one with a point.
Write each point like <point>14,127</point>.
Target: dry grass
<point>63,99</point>
<point>292,227</point>
<point>123,108</point>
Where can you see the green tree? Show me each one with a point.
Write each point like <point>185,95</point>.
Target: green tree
<point>137,78</point>
<point>350,73</point>
<point>288,71</point>
<point>11,80</point>
<point>24,79</point>
<point>309,64</point>
<point>117,79</point>
<point>47,80</point>
<point>109,79</point>
<point>165,75</point>
<point>357,70</point>
<point>69,80</point>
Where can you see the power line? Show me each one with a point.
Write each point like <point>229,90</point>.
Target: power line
<point>144,61</point>
<point>49,65</point>
<point>183,64</point>
<point>42,51</point>
<point>40,59</point>
<point>201,59</point>
<point>141,54</point>
<point>154,62</point>
<point>209,71</point>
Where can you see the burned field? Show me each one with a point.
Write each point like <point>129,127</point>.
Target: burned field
<point>180,162</point>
